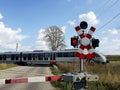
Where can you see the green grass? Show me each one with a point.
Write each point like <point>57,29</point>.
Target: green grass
<point>109,75</point>
<point>5,66</point>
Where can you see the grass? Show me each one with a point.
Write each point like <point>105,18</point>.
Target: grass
<point>5,66</point>
<point>109,75</point>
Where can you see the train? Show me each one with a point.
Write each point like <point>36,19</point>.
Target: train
<point>45,57</point>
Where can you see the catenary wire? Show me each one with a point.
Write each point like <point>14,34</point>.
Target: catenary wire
<point>109,21</point>
<point>105,4</point>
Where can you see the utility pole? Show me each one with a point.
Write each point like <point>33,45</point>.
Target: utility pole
<point>16,47</point>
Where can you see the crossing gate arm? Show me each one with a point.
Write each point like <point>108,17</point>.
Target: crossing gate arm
<point>31,79</point>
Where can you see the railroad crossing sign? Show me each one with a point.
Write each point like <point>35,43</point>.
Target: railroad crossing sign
<point>85,50</point>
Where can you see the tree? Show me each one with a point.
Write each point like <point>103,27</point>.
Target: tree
<point>54,37</point>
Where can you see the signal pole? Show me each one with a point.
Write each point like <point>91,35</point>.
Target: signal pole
<point>84,41</point>
<point>16,47</point>
<point>81,65</point>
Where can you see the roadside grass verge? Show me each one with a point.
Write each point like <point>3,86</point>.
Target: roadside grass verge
<point>5,66</point>
<point>109,75</point>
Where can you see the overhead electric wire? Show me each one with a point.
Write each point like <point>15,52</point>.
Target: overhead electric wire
<point>105,4</point>
<point>112,18</point>
<point>100,9</point>
<point>109,21</point>
<point>113,4</point>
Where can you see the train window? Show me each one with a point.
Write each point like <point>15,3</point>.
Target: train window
<point>12,57</point>
<point>4,57</point>
<point>97,55</point>
<point>37,56</point>
<point>65,54</point>
<point>17,58</point>
<point>40,56</point>
<point>59,55</point>
<point>46,54</point>
<point>71,54</point>
<point>0,57</point>
<point>29,56</point>
<point>8,55</point>
<point>24,56</point>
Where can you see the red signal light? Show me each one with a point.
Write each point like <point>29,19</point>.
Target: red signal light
<point>74,41</point>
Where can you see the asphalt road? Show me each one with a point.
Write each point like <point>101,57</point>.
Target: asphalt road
<point>26,71</point>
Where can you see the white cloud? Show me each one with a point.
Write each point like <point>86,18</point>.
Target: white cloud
<point>40,43</point>
<point>116,40</point>
<point>9,37</point>
<point>1,17</point>
<point>104,40</point>
<point>110,46</point>
<point>72,22</point>
<point>113,31</point>
<point>90,17</point>
<point>1,25</point>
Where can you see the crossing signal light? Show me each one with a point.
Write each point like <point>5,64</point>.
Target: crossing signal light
<point>95,43</point>
<point>74,41</point>
<point>83,25</point>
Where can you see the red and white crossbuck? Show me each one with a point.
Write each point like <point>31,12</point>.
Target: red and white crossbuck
<point>85,43</point>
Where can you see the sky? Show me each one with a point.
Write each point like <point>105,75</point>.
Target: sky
<point>22,21</point>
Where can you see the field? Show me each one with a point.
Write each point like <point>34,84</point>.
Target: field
<point>109,75</point>
<point>5,66</point>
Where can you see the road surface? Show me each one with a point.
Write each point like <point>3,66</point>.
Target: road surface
<point>26,71</point>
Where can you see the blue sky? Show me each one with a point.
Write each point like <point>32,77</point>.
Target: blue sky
<point>23,20</point>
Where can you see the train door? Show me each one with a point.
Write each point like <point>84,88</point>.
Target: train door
<point>52,56</point>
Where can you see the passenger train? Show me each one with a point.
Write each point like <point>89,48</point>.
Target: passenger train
<point>44,57</point>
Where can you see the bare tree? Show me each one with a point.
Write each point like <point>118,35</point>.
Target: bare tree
<point>54,37</point>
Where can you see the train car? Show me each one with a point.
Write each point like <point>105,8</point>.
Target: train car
<point>100,58</point>
<point>45,57</point>
<point>37,57</point>
<point>48,57</point>
<point>10,57</point>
